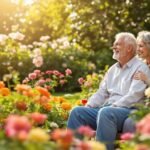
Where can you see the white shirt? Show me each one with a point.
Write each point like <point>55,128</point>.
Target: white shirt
<point>118,86</point>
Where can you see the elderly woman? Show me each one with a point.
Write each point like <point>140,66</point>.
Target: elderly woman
<point>143,51</point>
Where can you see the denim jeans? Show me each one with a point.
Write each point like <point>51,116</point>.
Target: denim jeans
<point>107,121</point>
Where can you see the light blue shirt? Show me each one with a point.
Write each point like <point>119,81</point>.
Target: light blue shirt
<point>118,86</point>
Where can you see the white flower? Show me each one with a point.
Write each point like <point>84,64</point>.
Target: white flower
<point>54,125</point>
<point>3,38</point>
<point>30,46</point>
<point>64,65</point>
<point>147,92</point>
<point>16,36</point>
<point>54,45</point>
<point>71,57</point>
<point>23,48</point>
<point>7,77</point>
<point>73,15</point>
<point>36,52</point>
<point>20,64</point>
<point>44,38</point>
<point>38,61</point>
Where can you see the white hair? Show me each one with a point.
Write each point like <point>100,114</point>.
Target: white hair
<point>128,38</point>
<point>144,36</point>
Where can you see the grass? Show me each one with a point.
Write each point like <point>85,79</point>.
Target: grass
<point>72,97</point>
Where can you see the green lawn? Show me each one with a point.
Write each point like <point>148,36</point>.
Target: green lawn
<point>72,97</point>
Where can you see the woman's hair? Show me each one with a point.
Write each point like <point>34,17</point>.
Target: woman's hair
<point>144,36</point>
<point>129,38</point>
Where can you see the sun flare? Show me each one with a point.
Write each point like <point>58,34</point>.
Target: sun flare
<point>26,2</point>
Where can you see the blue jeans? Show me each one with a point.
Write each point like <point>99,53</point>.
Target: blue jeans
<point>107,121</point>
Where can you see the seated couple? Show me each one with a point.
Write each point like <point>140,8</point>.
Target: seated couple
<point>122,87</point>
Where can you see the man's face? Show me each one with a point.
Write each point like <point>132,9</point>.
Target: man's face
<point>142,50</point>
<point>119,50</point>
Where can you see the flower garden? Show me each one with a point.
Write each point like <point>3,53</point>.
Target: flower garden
<point>32,118</point>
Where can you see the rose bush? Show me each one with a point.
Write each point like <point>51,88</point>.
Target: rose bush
<point>48,79</point>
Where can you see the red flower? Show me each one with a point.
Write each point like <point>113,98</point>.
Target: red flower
<point>84,101</point>
<point>21,105</point>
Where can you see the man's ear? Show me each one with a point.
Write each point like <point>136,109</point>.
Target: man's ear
<point>130,48</point>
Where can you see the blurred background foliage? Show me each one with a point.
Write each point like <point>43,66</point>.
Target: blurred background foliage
<point>89,25</point>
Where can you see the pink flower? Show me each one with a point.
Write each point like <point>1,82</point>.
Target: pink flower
<point>32,76</point>
<point>49,72</point>
<point>41,82</point>
<point>48,79</point>
<point>62,82</point>
<point>143,126</point>
<point>68,72</point>
<point>37,72</point>
<point>38,118</point>
<point>16,124</point>
<point>55,72</point>
<point>85,130</point>
<point>26,80</point>
<point>61,76</point>
<point>81,80</point>
<point>127,136</point>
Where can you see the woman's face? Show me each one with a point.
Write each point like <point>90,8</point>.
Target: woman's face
<point>142,50</point>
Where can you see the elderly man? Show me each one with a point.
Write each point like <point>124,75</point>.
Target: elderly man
<point>107,109</point>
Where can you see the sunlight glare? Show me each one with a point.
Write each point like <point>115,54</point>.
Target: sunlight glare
<point>26,2</point>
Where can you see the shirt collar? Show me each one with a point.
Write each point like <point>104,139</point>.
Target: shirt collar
<point>129,63</point>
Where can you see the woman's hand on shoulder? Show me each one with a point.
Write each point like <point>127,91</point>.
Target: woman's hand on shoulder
<point>140,76</point>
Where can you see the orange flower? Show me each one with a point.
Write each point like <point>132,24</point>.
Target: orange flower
<point>43,91</point>
<point>4,91</point>
<point>142,147</point>
<point>29,93</point>
<point>66,106</point>
<point>43,99</point>
<point>63,137</point>
<point>2,85</point>
<point>47,106</point>
<point>22,87</point>
<point>58,99</point>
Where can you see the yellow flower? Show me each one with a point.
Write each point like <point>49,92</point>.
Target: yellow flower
<point>78,102</point>
<point>38,135</point>
<point>66,106</point>
<point>147,92</point>
<point>96,145</point>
